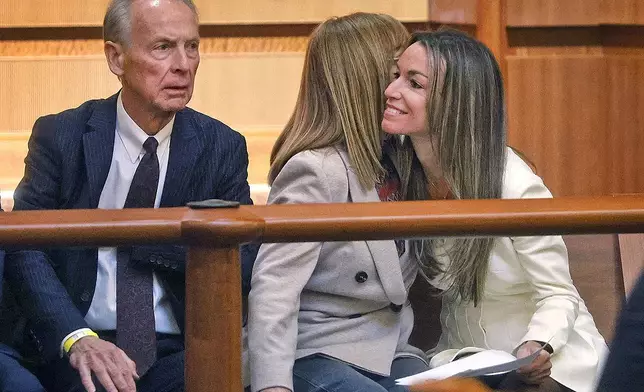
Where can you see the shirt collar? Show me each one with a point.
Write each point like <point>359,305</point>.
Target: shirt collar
<point>133,136</point>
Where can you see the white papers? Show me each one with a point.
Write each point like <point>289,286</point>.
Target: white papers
<point>486,362</point>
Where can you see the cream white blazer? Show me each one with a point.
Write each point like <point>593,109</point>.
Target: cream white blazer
<point>529,295</point>
<point>340,299</point>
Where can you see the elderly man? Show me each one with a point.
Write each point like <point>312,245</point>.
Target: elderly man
<point>113,317</point>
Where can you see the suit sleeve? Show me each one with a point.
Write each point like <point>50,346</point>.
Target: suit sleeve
<point>41,295</point>
<point>544,260</point>
<point>624,368</point>
<point>281,271</point>
<point>234,186</point>
<point>234,166</point>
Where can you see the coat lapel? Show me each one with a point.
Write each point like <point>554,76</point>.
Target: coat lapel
<point>98,147</point>
<point>186,145</point>
<point>383,253</point>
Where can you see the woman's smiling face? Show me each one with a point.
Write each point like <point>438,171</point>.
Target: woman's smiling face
<point>406,110</point>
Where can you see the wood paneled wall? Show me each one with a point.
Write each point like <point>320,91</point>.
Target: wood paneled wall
<point>298,11</point>
<point>455,12</point>
<point>572,70</point>
<point>32,13</point>
<point>553,114</point>
<point>624,12</point>
<point>624,100</point>
<point>553,12</point>
<point>237,89</point>
<point>574,101</point>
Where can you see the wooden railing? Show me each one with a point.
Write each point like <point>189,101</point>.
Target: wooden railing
<point>213,300</point>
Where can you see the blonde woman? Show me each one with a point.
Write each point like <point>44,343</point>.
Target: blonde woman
<point>513,293</point>
<point>334,316</point>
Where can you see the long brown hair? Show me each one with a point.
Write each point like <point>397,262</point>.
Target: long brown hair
<point>341,100</point>
<point>466,121</point>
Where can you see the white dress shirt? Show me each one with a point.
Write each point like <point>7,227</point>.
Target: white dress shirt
<point>128,151</point>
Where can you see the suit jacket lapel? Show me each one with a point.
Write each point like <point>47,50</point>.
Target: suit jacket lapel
<point>186,145</point>
<point>384,253</point>
<point>98,146</point>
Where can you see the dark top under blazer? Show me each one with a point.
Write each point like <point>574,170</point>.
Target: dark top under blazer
<point>69,158</point>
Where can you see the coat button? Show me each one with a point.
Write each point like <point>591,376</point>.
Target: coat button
<point>361,277</point>
<point>85,297</point>
<point>395,308</point>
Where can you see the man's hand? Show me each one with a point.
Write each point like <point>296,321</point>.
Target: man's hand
<point>115,371</point>
<point>539,370</point>
<point>275,389</point>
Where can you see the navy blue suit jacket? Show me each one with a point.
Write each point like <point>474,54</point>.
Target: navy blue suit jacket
<point>66,168</point>
<point>624,369</point>
<point>2,349</point>
<point>1,269</point>
<point>2,321</point>
<point>4,324</point>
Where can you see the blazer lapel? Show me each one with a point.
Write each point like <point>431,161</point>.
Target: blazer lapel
<point>186,145</point>
<point>383,253</point>
<point>98,147</point>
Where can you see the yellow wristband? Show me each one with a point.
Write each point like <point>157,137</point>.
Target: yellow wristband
<point>69,342</point>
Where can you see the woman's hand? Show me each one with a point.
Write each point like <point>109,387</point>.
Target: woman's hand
<point>539,370</point>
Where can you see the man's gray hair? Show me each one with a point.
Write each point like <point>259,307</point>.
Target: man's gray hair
<point>117,24</point>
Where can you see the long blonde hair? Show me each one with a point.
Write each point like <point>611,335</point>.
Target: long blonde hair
<point>341,100</point>
<point>466,119</point>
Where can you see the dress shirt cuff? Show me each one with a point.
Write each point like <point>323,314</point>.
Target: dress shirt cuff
<point>86,331</point>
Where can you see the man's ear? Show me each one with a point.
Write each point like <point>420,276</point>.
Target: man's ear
<point>115,55</point>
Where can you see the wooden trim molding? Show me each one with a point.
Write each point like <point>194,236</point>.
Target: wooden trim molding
<point>88,13</point>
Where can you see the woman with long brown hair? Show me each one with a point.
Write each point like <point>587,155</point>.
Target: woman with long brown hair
<point>334,316</point>
<point>513,293</point>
